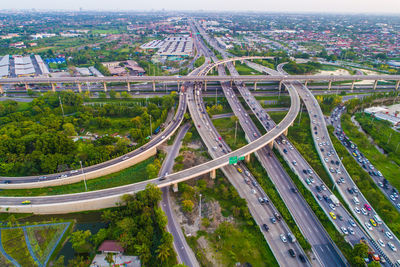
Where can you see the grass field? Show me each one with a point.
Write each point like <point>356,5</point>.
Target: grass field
<point>277,116</point>
<point>130,175</point>
<point>383,163</point>
<point>382,133</point>
<point>243,69</point>
<point>226,127</point>
<point>369,189</point>
<point>14,245</point>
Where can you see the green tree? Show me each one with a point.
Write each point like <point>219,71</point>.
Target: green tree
<point>112,94</point>
<point>109,258</point>
<point>80,241</point>
<point>69,129</point>
<point>187,205</point>
<point>151,171</point>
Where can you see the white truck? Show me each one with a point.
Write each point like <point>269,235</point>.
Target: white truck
<point>335,200</point>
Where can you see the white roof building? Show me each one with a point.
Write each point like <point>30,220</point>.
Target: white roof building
<point>23,66</point>
<point>4,66</point>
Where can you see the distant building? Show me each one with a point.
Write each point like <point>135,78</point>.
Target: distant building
<point>123,68</point>
<point>382,113</point>
<point>23,66</point>
<point>4,66</point>
<point>84,71</point>
<point>177,46</point>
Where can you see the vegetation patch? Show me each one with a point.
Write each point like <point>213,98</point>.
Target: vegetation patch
<point>14,244</point>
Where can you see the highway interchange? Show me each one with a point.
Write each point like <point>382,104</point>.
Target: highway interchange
<point>257,143</point>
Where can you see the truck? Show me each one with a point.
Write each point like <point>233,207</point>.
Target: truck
<point>335,200</point>
<point>157,130</point>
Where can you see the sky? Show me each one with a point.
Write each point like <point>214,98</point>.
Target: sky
<point>331,6</point>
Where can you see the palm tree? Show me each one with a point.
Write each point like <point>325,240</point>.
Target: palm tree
<point>163,251</point>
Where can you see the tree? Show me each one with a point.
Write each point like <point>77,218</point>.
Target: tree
<point>151,171</point>
<point>69,129</point>
<point>109,258</point>
<point>59,262</point>
<point>163,252</point>
<point>187,205</point>
<point>80,241</point>
<point>187,138</point>
<point>112,94</point>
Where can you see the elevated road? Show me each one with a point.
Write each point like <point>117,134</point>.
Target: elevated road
<point>361,209</point>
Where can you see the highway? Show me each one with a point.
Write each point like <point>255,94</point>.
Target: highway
<point>386,188</point>
<point>322,246</point>
<point>184,252</point>
<point>340,177</point>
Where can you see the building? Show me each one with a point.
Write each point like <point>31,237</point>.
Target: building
<point>155,44</point>
<point>113,247</point>
<point>42,66</point>
<point>23,66</point>
<point>4,66</point>
<point>83,71</point>
<point>383,113</point>
<point>122,68</point>
<point>177,46</point>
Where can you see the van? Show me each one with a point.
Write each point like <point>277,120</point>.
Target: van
<point>291,237</point>
<point>356,201</point>
<point>378,219</point>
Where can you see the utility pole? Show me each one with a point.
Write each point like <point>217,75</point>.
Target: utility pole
<point>200,207</point>
<point>151,128</point>
<point>236,130</point>
<point>301,109</point>
<point>390,137</point>
<point>84,176</point>
<point>216,100</point>
<point>62,109</point>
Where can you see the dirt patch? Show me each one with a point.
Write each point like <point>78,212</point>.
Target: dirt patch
<point>207,249</point>
<point>195,145</point>
<point>191,158</point>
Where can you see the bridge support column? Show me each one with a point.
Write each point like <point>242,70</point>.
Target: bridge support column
<point>285,132</point>
<point>396,87</point>
<point>271,144</point>
<point>213,174</point>
<point>247,158</point>
<point>179,87</point>
<point>305,84</point>
<point>375,84</point>
<point>154,86</point>
<point>280,86</point>
<point>352,86</point>
<point>105,86</point>
<point>330,85</point>
<point>53,87</point>
<point>27,87</point>
<point>175,188</point>
<point>231,83</point>
<point>255,86</point>
<point>205,85</point>
<point>234,63</point>
<point>129,86</point>
<point>1,89</point>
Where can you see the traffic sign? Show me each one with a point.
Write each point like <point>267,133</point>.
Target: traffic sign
<point>241,158</point>
<point>233,160</point>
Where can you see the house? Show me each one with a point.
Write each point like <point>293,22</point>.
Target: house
<point>113,247</point>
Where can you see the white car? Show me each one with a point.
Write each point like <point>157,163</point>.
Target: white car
<point>125,158</point>
<point>357,210</point>
<point>389,235</point>
<point>352,223</point>
<point>392,197</point>
<point>294,162</point>
<point>73,171</point>
<point>344,230</point>
<point>392,246</point>
<point>380,241</point>
<point>283,238</point>
<point>332,206</point>
<point>351,230</point>
<point>368,225</point>
<point>364,211</point>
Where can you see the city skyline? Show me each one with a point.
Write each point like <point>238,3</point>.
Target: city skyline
<point>291,6</point>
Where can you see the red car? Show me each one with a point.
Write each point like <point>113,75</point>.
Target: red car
<point>219,138</point>
<point>367,207</point>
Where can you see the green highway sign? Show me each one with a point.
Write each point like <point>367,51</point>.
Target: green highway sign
<point>241,158</point>
<point>233,160</point>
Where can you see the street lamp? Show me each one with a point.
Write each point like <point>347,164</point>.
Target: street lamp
<point>84,175</point>
<point>151,128</point>
<point>200,207</point>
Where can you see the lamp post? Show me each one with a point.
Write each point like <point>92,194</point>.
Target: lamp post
<point>84,176</point>
<point>200,207</point>
<point>151,128</point>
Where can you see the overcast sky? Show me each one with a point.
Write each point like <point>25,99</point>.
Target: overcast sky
<point>353,6</point>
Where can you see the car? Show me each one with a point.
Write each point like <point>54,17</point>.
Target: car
<point>372,221</point>
<point>292,253</point>
<point>125,158</point>
<point>294,162</point>
<point>352,223</point>
<point>340,217</point>
<point>368,225</point>
<point>332,206</point>
<point>311,179</point>
<point>389,235</point>
<point>307,181</point>
<point>357,210</point>
<point>344,230</point>
<point>239,170</point>
<point>261,200</point>
<point>310,171</point>
<point>291,237</point>
<point>64,176</point>
<point>26,202</point>
<point>326,160</point>
<point>318,188</point>
<point>319,197</point>
<point>332,215</point>
<point>364,211</point>
<point>351,230</point>
<point>355,190</point>
<point>367,207</point>
<point>326,198</point>
<point>272,219</point>
<point>302,258</point>
<point>266,228</point>
<point>294,190</point>
<point>392,247</point>
<point>323,187</point>
<point>253,191</point>
<point>42,178</point>
<point>266,200</point>
<point>284,150</point>
<point>277,216</point>
<point>392,198</point>
<point>73,171</point>
<point>283,238</point>
<point>380,241</point>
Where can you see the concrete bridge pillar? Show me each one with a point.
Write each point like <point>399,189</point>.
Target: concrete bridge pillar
<point>280,86</point>
<point>330,85</point>
<point>1,89</point>
<point>271,144</point>
<point>241,61</point>
<point>205,85</point>
<point>352,86</point>
<point>231,83</point>
<point>179,86</point>
<point>247,158</point>
<point>285,132</point>
<point>213,174</point>
<point>234,63</point>
<point>53,87</point>
<point>305,84</point>
<point>154,86</point>
<point>27,87</point>
<point>129,86</point>
<point>375,84</point>
<point>396,87</point>
<point>175,188</point>
<point>255,86</point>
<point>105,86</point>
